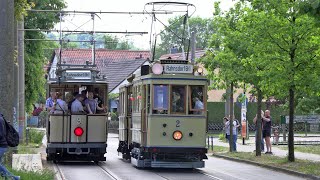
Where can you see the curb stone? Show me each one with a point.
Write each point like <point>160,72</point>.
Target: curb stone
<point>269,167</point>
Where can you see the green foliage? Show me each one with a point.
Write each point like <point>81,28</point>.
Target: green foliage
<point>222,136</point>
<point>114,116</point>
<point>169,39</point>
<point>35,51</point>
<point>217,110</point>
<point>45,174</point>
<point>20,7</point>
<point>308,105</point>
<point>113,96</point>
<point>113,42</point>
<point>36,136</point>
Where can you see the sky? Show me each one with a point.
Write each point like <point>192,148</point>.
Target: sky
<point>127,22</point>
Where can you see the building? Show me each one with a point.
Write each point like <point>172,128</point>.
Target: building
<point>116,65</point>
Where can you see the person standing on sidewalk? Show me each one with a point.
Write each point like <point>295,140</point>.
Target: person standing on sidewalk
<point>266,133</point>
<point>234,129</point>
<point>256,133</point>
<point>3,149</point>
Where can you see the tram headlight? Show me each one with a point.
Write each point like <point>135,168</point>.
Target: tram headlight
<point>177,135</point>
<point>157,68</point>
<point>78,131</point>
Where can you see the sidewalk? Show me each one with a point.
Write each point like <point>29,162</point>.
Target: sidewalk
<point>250,147</point>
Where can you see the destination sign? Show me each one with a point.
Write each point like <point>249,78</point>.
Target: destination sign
<point>178,68</point>
<point>78,74</point>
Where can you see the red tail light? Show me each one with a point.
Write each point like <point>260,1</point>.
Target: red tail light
<point>78,131</point>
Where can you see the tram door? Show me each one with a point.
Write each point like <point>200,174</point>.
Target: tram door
<point>144,120</point>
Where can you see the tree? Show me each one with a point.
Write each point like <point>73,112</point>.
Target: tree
<point>113,42</point>
<point>172,36</point>
<point>290,49</point>
<point>35,53</point>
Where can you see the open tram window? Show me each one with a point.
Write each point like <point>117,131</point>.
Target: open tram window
<point>196,102</point>
<point>178,99</point>
<point>160,99</point>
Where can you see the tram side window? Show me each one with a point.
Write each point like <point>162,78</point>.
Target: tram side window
<point>178,99</point>
<point>160,99</point>
<point>130,102</point>
<point>196,102</point>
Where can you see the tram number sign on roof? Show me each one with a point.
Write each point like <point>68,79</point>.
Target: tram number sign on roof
<point>78,74</point>
<point>178,68</point>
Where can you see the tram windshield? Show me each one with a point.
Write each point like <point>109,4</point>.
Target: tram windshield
<point>178,99</point>
<point>160,100</point>
<point>92,98</point>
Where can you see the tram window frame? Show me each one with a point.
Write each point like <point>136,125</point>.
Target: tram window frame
<point>191,105</point>
<point>165,106</point>
<point>184,103</point>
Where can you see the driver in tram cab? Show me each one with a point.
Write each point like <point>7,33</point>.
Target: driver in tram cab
<point>92,104</point>
<point>198,105</point>
<point>76,106</point>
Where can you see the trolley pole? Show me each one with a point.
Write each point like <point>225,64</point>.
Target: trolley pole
<point>21,63</point>
<point>6,57</point>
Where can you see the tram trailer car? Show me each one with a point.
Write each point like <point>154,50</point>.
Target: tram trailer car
<point>163,117</point>
<point>77,137</point>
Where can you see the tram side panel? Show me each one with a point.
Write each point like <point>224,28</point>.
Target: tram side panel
<point>97,124</point>
<point>59,129</point>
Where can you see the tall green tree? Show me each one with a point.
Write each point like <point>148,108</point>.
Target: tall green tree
<point>172,36</point>
<point>35,50</point>
<point>113,42</point>
<point>290,49</point>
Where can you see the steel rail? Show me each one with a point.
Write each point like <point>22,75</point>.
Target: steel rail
<point>108,172</point>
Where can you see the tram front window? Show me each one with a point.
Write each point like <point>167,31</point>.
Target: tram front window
<point>178,99</point>
<point>160,99</point>
<point>196,100</point>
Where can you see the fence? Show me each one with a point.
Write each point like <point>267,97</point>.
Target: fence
<point>297,128</point>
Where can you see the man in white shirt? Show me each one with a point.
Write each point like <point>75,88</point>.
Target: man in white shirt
<point>76,106</point>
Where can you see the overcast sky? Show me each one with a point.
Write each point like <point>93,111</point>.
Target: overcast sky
<point>111,22</point>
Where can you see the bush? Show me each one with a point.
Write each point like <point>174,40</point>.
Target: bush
<point>36,136</point>
<point>222,136</point>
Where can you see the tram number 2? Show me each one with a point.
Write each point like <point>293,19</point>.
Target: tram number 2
<point>177,123</point>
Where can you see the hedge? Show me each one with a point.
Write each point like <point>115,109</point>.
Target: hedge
<point>217,109</point>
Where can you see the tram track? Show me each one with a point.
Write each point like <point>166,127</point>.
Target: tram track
<point>57,169</point>
<point>106,171</point>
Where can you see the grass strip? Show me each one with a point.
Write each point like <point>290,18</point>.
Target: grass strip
<point>302,166</point>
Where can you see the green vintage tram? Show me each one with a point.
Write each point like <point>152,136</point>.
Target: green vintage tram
<point>77,136</point>
<point>163,117</point>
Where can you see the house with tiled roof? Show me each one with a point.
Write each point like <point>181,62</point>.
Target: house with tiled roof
<point>116,65</point>
<point>213,95</point>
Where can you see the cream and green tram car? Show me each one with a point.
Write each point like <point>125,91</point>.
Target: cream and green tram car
<point>77,136</point>
<point>163,116</point>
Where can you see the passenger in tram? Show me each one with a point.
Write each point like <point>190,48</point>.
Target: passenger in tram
<point>92,104</point>
<point>178,105</point>
<point>84,94</point>
<point>50,101</point>
<point>198,105</point>
<point>76,107</point>
<point>59,106</point>
<point>98,99</point>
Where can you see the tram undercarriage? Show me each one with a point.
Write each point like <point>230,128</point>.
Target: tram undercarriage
<point>76,152</point>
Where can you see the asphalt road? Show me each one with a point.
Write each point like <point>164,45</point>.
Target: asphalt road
<point>116,168</point>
